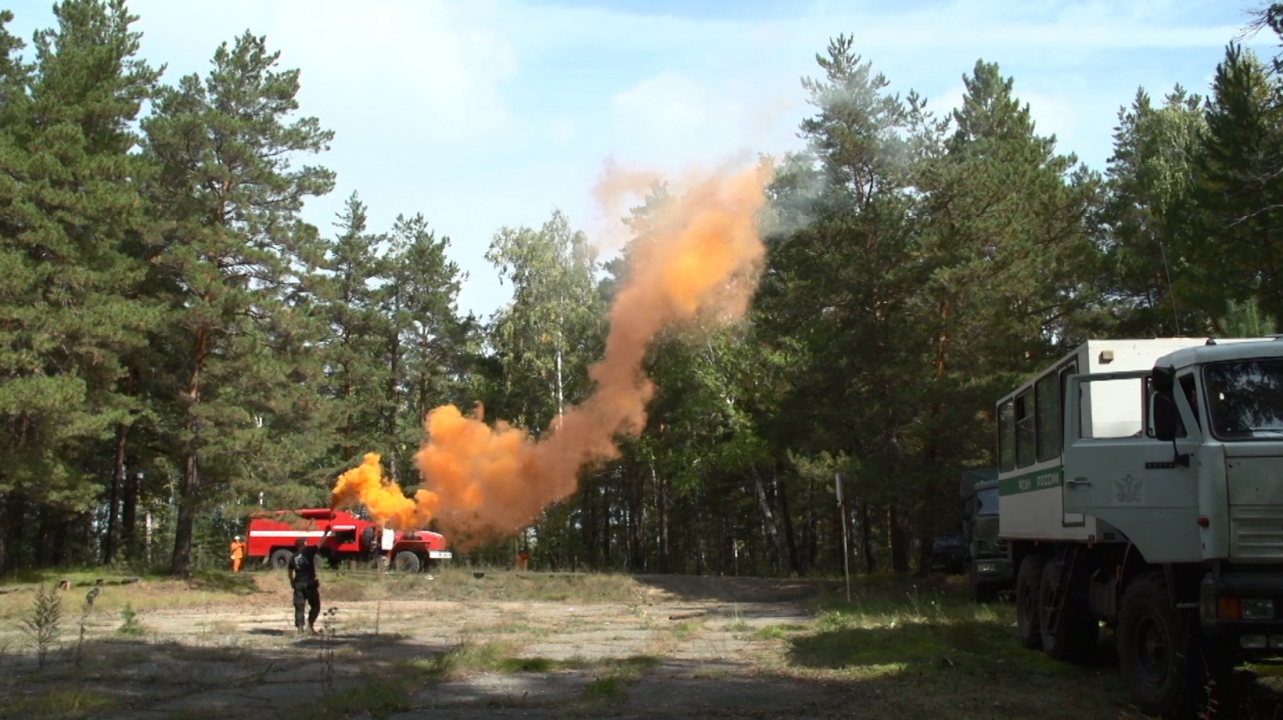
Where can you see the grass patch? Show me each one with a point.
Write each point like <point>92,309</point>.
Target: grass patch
<point>466,659</point>
<point>777,632</point>
<point>528,665</point>
<point>685,629</point>
<point>224,581</point>
<point>62,702</point>
<point>603,690</point>
<point>375,697</point>
<point>628,668</point>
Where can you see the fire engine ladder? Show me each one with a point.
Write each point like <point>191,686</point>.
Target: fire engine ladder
<point>1056,608</point>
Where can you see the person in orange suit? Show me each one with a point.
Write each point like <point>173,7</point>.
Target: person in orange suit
<point>238,553</point>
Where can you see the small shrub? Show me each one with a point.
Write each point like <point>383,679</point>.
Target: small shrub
<point>130,624</point>
<point>42,621</point>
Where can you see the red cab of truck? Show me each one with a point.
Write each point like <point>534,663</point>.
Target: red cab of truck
<point>270,538</point>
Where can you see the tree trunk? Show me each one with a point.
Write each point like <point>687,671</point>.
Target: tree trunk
<point>866,531</point>
<point>899,541</point>
<point>931,480</point>
<point>113,497</point>
<point>15,509</point>
<point>4,532</point>
<point>790,535</point>
<point>768,518</point>
<point>662,482</point>
<point>810,531</point>
<point>129,515</point>
<point>637,520</point>
<point>182,561</point>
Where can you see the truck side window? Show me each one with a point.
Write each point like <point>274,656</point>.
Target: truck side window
<point>1025,430</point>
<point>1007,436</point>
<point>1047,396</point>
<point>1191,396</point>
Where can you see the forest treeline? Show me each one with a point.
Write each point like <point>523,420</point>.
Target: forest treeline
<point>178,347</point>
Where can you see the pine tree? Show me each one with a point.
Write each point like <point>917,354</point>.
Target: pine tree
<point>236,257</point>
<point>75,236</point>
<point>427,347</point>
<point>1146,217</point>
<point>357,375</point>
<point>1237,252</point>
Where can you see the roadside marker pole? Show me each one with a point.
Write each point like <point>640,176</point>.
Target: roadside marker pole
<point>846,544</point>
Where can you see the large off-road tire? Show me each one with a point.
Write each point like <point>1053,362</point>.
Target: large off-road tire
<point>1028,607</point>
<point>1162,663</point>
<point>1077,633</point>
<point>280,558</point>
<point>407,561</point>
<point>365,543</point>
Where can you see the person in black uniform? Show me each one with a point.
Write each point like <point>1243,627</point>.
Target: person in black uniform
<point>307,589</point>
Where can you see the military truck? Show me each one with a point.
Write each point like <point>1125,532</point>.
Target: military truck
<point>988,557</point>
<point>1141,488</point>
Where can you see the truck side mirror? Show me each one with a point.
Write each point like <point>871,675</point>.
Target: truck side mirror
<point>1166,417</point>
<point>1163,379</point>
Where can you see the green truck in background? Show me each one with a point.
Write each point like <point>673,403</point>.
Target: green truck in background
<point>988,557</point>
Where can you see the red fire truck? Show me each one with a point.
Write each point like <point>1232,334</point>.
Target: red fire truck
<point>270,539</point>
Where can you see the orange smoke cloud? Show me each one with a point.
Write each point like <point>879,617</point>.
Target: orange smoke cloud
<point>386,502</point>
<point>697,257</point>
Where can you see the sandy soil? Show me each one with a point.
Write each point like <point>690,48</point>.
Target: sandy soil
<point>690,643</point>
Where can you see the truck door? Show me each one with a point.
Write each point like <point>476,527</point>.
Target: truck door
<point>1145,489</point>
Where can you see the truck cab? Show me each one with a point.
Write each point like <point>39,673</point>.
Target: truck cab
<point>988,557</point>
<point>1141,489</point>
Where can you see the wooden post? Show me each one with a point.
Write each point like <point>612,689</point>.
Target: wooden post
<point>846,544</point>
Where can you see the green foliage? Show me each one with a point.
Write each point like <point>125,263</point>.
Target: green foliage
<point>130,626</point>
<point>42,622</point>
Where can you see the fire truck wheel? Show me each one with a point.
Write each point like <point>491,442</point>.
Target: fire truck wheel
<point>280,558</point>
<point>1157,651</point>
<point>1077,632</point>
<point>406,561</point>
<point>1028,607</point>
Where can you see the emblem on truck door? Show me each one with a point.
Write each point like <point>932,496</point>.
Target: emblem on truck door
<point>1128,490</point>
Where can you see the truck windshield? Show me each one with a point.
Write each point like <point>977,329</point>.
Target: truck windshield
<point>1245,399</point>
<point>987,501</point>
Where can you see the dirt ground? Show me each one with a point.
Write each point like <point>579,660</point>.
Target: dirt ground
<point>541,646</point>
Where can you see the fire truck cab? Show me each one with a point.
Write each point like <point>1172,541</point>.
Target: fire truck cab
<point>270,538</point>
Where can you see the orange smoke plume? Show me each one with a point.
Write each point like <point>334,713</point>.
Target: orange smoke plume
<point>386,502</point>
<point>698,258</point>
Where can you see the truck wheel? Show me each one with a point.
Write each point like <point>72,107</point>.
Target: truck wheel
<point>1077,631</point>
<point>280,558</point>
<point>407,561</point>
<point>1156,652</point>
<point>1028,607</point>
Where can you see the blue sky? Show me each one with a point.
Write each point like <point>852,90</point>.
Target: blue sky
<point>492,113</point>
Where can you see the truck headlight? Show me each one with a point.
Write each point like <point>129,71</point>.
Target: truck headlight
<point>1258,608</point>
<point>986,567</point>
